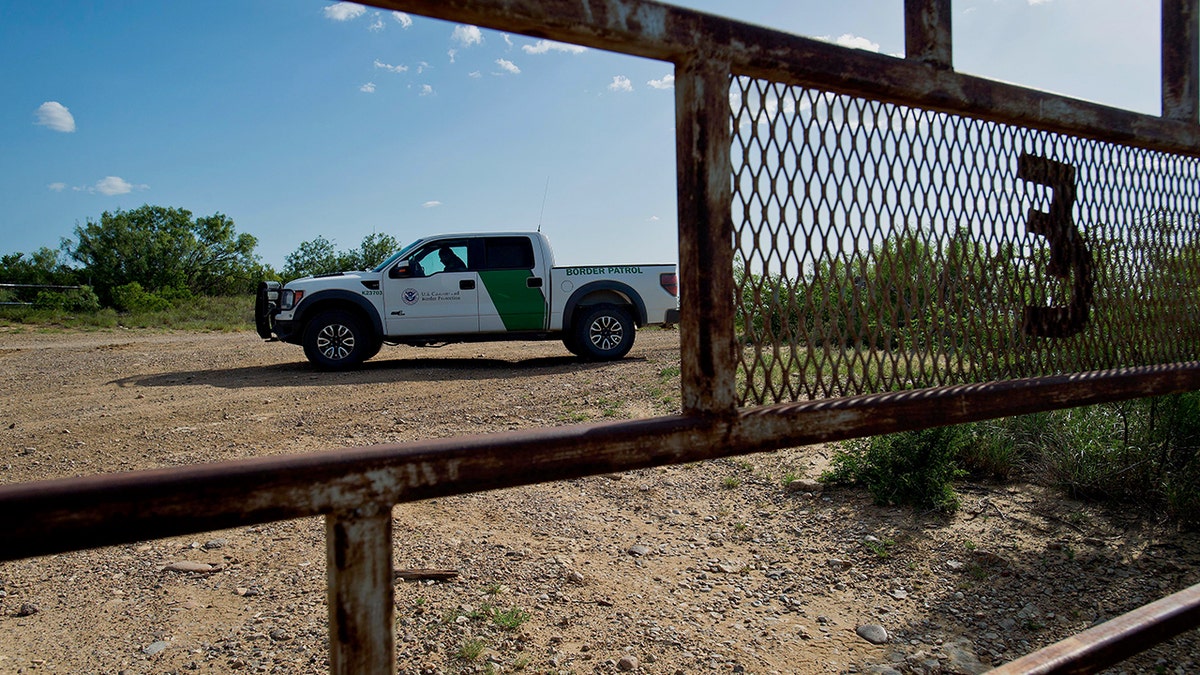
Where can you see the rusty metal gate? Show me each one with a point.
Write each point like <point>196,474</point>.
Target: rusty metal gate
<point>867,245</point>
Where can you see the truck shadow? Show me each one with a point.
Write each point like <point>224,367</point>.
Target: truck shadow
<point>379,371</point>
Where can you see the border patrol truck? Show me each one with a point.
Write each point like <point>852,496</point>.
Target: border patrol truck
<point>467,288</point>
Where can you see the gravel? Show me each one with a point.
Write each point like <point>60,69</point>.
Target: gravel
<point>718,566</point>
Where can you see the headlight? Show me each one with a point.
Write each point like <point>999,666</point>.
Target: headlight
<point>288,299</point>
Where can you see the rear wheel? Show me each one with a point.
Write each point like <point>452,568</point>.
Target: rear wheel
<point>603,333</point>
<point>337,340</point>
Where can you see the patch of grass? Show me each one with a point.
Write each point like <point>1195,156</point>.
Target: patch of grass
<point>471,649</point>
<point>731,482</point>
<point>198,313</point>
<point>511,618</point>
<point>789,478</point>
<point>668,372</point>
<point>881,548</point>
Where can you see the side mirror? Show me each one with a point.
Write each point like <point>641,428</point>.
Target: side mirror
<point>400,270</point>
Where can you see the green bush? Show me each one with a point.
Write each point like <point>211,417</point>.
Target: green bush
<point>1144,452</point>
<point>83,299</point>
<point>133,298</point>
<point>912,467</point>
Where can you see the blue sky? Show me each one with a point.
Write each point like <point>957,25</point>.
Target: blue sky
<point>300,118</point>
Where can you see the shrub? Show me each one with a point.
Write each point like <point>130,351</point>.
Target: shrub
<point>83,299</point>
<point>912,467</point>
<point>133,298</point>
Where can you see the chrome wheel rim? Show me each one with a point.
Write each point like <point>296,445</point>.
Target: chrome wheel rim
<point>606,333</point>
<point>335,342</point>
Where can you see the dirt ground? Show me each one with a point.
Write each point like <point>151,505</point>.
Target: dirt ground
<point>721,566</point>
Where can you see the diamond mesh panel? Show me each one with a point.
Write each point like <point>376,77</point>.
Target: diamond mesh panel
<point>880,247</point>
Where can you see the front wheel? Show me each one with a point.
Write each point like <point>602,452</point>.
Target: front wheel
<point>336,340</point>
<point>603,333</point>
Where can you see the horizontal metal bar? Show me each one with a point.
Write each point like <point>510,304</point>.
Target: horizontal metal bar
<point>655,30</point>
<point>1113,641</point>
<point>76,513</point>
<point>65,288</point>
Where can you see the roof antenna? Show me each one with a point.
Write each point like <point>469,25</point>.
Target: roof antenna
<point>543,212</point>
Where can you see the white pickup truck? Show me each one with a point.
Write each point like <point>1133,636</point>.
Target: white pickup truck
<point>466,288</point>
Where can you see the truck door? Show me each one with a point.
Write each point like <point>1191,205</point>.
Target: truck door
<point>438,293</point>
<point>514,291</point>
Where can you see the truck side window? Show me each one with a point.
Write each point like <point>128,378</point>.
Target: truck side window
<point>442,257</point>
<point>509,253</point>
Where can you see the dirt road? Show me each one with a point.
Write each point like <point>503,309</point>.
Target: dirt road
<point>712,567</point>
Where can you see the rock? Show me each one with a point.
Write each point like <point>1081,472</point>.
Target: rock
<point>898,593</point>
<point>873,633</point>
<point>803,485</point>
<point>628,663</point>
<point>961,658</point>
<point>28,609</point>
<point>639,550</point>
<point>216,543</point>
<point>984,557</point>
<point>154,648</point>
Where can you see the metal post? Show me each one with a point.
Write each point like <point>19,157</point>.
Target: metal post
<point>1180,60</point>
<point>361,610</point>
<point>703,137</point>
<point>927,32</point>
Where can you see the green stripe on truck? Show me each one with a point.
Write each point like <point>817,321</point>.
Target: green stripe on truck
<point>520,307</point>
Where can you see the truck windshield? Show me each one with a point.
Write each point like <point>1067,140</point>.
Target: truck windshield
<point>398,255</point>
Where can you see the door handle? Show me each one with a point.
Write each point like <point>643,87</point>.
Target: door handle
<point>467,284</point>
<point>533,282</point>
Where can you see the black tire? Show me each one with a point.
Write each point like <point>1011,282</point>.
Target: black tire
<point>571,344</point>
<point>337,340</point>
<point>603,332</point>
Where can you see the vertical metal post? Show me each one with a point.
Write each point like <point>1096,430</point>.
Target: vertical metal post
<point>1181,60</point>
<point>927,32</point>
<point>362,637</point>
<point>703,138</point>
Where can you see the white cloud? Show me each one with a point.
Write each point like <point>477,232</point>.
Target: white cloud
<point>403,19</point>
<point>467,35</point>
<point>667,82</point>
<point>422,66</point>
<point>452,53</point>
<point>344,11</point>
<point>377,24</point>
<point>544,46</point>
<point>507,39</point>
<point>368,88</point>
<point>620,83</point>
<point>57,187</point>
<point>426,90</point>
<point>508,66</point>
<point>1038,2</point>
<point>114,185</point>
<point>54,115</point>
<point>431,205</point>
<point>390,68</point>
<point>475,74</point>
<point>853,41</point>
<point>654,219</point>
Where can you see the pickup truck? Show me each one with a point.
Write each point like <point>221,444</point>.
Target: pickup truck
<point>467,288</point>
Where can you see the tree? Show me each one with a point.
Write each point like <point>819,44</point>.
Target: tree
<point>164,250</point>
<point>44,266</point>
<point>319,256</point>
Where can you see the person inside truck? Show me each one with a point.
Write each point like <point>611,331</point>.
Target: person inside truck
<point>450,261</point>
